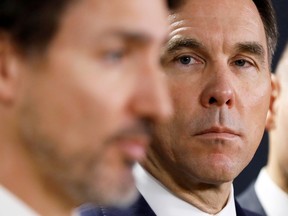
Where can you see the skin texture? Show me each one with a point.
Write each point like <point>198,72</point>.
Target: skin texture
<point>74,119</point>
<point>277,125</point>
<point>217,66</point>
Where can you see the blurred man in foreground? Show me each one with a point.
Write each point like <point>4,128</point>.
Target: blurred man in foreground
<point>80,83</point>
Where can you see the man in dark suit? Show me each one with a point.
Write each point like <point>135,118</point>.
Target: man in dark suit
<point>142,208</point>
<point>217,62</point>
<point>269,193</point>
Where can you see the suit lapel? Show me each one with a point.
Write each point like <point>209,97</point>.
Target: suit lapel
<point>243,212</point>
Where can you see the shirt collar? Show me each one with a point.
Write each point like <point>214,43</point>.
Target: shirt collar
<point>269,193</point>
<point>164,203</point>
<point>11,205</point>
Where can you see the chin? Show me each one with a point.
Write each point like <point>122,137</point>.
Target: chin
<point>127,199</point>
<point>218,174</point>
<point>120,198</point>
<point>220,179</point>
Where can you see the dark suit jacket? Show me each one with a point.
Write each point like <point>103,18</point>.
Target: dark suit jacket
<point>249,200</point>
<point>142,208</point>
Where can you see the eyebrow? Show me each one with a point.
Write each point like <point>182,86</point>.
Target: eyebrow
<point>180,43</point>
<point>253,48</point>
<point>131,36</point>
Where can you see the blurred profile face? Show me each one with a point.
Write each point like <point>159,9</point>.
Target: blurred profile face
<point>277,158</point>
<point>85,105</point>
<point>218,74</point>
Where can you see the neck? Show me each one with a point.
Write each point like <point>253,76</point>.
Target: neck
<point>33,188</point>
<point>209,198</point>
<point>276,172</point>
<point>278,175</point>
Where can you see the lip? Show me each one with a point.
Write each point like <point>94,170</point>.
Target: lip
<point>218,133</point>
<point>134,147</point>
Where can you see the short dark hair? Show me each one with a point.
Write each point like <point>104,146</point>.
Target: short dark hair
<point>267,13</point>
<point>31,24</point>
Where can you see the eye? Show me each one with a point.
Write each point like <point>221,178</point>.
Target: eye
<point>186,60</point>
<point>114,56</point>
<point>242,63</point>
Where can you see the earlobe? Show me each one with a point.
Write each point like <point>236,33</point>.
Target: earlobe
<point>7,71</point>
<point>272,112</point>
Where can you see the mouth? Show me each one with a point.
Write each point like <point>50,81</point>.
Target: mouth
<point>133,141</point>
<point>134,147</point>
<point>217,133</point>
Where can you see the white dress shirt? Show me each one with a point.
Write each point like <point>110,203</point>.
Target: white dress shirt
<point>164,203</point>
<point>10,205</point>
<point>273,199</point>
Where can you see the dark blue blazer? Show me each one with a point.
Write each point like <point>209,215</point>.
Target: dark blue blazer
<point>249,200</point>
<point>142,208</point>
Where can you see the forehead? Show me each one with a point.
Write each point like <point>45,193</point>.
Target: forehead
<point>218,21</point>
<point>97,17</point>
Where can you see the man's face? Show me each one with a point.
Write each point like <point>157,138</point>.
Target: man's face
<point>217,68</point>
<point>278,160</point>
<point>83,105</point>
<point>279,135</point>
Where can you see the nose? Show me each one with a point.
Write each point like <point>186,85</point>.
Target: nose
<point>151,96</point>
<point>218,91</point>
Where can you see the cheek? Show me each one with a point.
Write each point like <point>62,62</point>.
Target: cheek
<point>281,122</point>
<point>170,142</point>
<point>101,101</point>
<point>187,108</point>
<point>185,96</point>
<point>75,119</point>
<point>283,107</point>
<point>256,118</point>
<point>254,113</point>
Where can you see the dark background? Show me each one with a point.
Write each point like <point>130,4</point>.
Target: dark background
<point>260,158</point>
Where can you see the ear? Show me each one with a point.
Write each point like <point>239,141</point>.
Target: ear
<point>272,112</point>
<point>8,71</point>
